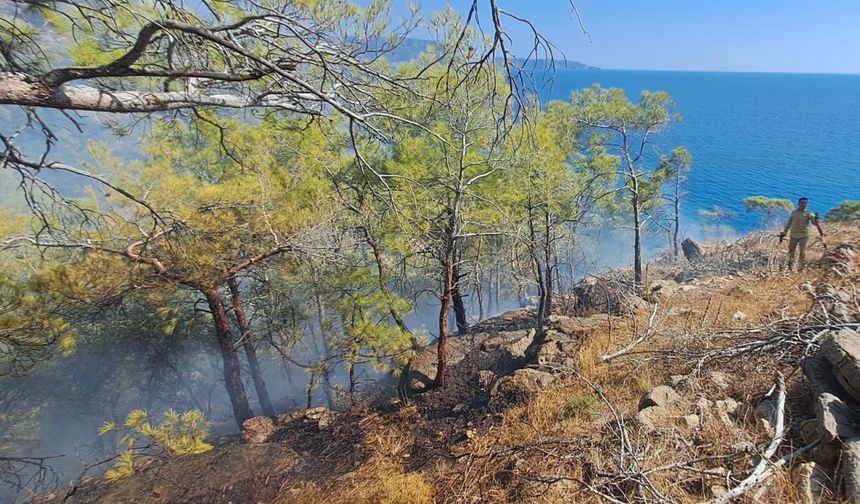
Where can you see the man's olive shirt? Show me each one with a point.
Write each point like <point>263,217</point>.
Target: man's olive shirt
<point>799,222</point>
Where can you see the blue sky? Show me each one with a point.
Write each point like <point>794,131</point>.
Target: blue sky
<point>814,36</point>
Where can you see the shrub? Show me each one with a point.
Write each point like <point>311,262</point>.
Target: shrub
<point>579,406</point>
<point>177,435</point>
<point>847,211</point>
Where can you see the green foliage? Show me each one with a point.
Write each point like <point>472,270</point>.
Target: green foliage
<point>765,204</point>
<point>716,214</point>
<point>369,334</point>
<point>584,405</point>
<point>179,434</point>
<point>769,208</point>
<point>847,211</point>
<point>31,320</point>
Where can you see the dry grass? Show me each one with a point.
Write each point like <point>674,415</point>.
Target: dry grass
<point>546,450</point>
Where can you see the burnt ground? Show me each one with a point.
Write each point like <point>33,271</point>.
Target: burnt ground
<point>252,473</point>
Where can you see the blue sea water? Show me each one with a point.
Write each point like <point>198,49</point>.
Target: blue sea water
<point>777,135</point>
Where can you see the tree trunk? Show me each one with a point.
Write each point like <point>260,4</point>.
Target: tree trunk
<point>441,350</point>
<point>536,261</point>
<point>498,287</point>
<point>479,282</point>
<point>328,388</point>
<point>459,305</point>
<point>383,287</point>
<point>548,266</point>
<point>677,229</point>
<point>352,382</point>
<point>232,369</point>
<point>637,242</point>
<point>250,351</point>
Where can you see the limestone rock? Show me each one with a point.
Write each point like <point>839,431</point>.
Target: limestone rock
<point>663,289</point>
<point>692,421</point>
<point>519,387</point>
<point>319,417</point>
<point>258,430</point>
<point>835,420</point>
<point>514,355</point>
<point>811,481</point>
<point>766,410</point>
<point>851,469</point>
<point>575,326</point>
<point>421,370</point>
<point>820,377</point>
<point>501,340</point>
<point>486,378</point>
<point>842,350</point>
<point>662,395</point>
<point>809,430</point>
<point>726,410</point>
<point>655,417</point>
<point>720,379</point>
<point>598,295</point>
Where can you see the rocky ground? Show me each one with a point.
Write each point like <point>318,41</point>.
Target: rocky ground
<point>724,379</point>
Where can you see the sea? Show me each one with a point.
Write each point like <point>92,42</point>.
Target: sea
<point>781,135</point>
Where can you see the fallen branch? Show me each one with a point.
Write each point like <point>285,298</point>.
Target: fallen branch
<point>763,469</point>
<point>649,331</point>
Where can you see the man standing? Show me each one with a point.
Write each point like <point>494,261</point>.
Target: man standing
<point>798,225</point>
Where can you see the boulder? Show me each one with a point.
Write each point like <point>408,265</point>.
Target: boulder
<point>851,469</point>
<point>519,387</point>
<point>258,430</point>
<point>575,326</point>
<point>319,417</point>
<point>421,370</point>
<point>766,410</point>
<point>842,350</point>
<point>503,339</point>
<point>486,378</point>
<point>811,481</point>
<point>692,250</point>
<point>839,303</point>
<point>691,421</point>
<point>662,395</point>
<point>720,379</point>
<point>601,295</point>
<point>662,289</point>
<point>655,418</point>
<point>514,354</point>
<point>834,419</point>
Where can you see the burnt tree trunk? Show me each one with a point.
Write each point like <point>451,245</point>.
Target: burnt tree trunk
<point>250,351</point>
<point>676,231</point>
<point>447,291</point>
<point>459,305</point>
<point>637,237</point>
<point>232,368</point>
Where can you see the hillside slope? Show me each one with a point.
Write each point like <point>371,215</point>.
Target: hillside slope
<point>670,398</point>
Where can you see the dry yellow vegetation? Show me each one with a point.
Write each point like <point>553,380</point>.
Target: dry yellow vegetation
<point>565,443</point>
